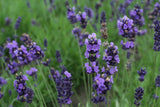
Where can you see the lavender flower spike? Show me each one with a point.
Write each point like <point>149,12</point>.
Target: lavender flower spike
<point>142,73</point>
<point>17,24</point>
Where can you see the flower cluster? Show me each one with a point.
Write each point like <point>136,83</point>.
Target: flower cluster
<point>156,12</point>
<point>142,73</point>
<point>82,18</point>
<point>128,30</point>
<point>64,86</point>
<point>71,16</point>
<point>23,55</point>
<point>79,36</point>
<point>157,35</point>
<point>103,25</point>
<point>89,12</point>
<point>136,16</point>
<point>92,52</point>
<point>58,57</point>
<point>25,94</point>
<point>138,95</point>
<point>111,58</point>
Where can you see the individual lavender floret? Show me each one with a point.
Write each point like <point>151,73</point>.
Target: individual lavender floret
<point>8,21</point>
<point>58,57</point>
<point>89,12</point>
<point>156,12</point>
<point>13,67</point>
<point>82,18</point>
<point>47,62</point>
<point>157,81</point>
<point>1,51</point>
<point>2,81</point>
<point>26,40</point>
<point>126,27</point>
<point>92,47</point>
<point>17,24</point>
<point>12,46</point>
<point>138,95</point>
<point>157,35</point>
<point>32,71</point>
<point>25,94</point>
<point>103,25</point>
<point>97,99</point>
<point>155,96</point>
<point>142,73</point>
<point>45,42</point>
<point>94,68</point>
<point>64,85</point>
<point>71,16</point>
<point>128,45</point>
<point>36,52</point>
<point>137,15</point>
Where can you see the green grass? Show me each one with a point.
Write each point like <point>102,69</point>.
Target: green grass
<point>57,29</point>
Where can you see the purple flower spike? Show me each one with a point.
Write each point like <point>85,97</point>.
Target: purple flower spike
<point>136,15</point>
<point>157,80</point>
<point>25,94</point>
<point>8,21</point>
<point>126,27</point>
<point>142,73</point>
<point>63,85</point>
<point>138,95</point>
<point>17,24</point>
<point>71,16</point>
<point>82,18</point>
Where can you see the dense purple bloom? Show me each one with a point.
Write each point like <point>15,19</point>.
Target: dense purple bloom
<point>71,16</point>
<point>157,35</point>
<point>157,81</point>
<point>12,46</point>
<point>58,57</point>
<point>82,18</point>
<point>8,21</point>
<point>32,71</point>
<point>26,40</point>
<point>126,27</point>
<point>92,47</point>
<point>17,24</point>
<point>2,81</point>
<point>13,67</point>
<point>64,85</point>
<point>136,16</point>
<point>89,12</point>
<point>103,25</point>
<point>22,55</point>
<point>111,55</point>
<point>141,32</point>
<point>36,52</point>
<point>142,73</point>
<point>25,94</point>
<point>138,95</point>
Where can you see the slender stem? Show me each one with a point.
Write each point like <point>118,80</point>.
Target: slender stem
<point>84,75</point>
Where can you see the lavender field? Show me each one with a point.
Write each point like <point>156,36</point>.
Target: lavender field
<point>79,53</point>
